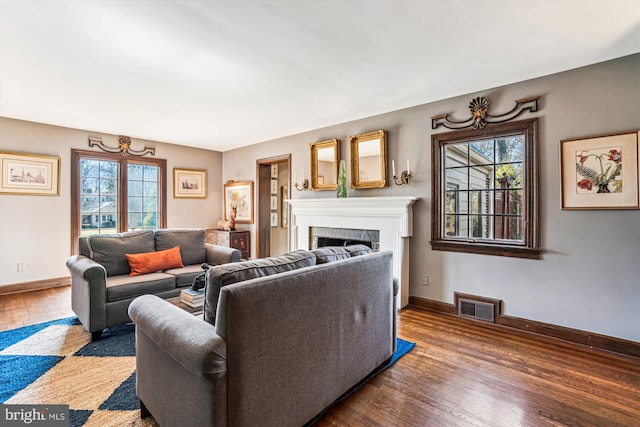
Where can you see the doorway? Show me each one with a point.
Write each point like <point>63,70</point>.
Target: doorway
<point>272,219</point>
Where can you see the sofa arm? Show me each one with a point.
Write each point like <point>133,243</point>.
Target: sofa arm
<point>217,255</point>
<point>189,340</point>
<point>88,292</point>
<point>86,268</point>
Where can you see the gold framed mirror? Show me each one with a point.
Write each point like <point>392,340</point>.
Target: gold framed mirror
<point>369,160</point>
<point>325,156</point>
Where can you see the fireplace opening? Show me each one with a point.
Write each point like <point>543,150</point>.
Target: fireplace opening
<point>332,236</point>
<point>326,241</point>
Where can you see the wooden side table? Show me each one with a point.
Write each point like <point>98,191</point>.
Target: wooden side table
<point>240,240</point>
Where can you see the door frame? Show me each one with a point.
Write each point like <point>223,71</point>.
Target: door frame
<point>263,197</point>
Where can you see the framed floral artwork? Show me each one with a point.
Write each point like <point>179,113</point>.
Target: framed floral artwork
<point>240,196</point>
<point>189,183</point>
<point>600,172</point>
<point>29,174</point>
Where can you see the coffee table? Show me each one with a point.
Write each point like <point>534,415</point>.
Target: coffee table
<point>192,310</point>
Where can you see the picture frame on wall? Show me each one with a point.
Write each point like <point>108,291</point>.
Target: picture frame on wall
<point>274,203</point>
<point>274,219</point>
<point>189,184</point>
<point>274,170</point>
<point>284,209</point>
<point>274,187</point>
<point>29,174</point>
<point>240,195</point>
<point>600,172</point>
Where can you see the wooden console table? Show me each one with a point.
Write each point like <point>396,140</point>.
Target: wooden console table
<point>240,240</point>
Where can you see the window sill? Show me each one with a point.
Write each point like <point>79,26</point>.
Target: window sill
<point>486,249</point>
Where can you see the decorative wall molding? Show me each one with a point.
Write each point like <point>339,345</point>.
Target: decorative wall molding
<point>480,117</point>
<point>575,336</point>
<point>124,147</point>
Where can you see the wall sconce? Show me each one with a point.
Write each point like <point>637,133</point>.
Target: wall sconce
<point>405,176</point>
<point>305,183</point>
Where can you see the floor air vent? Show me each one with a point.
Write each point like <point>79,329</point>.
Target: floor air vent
<point>476,310</point>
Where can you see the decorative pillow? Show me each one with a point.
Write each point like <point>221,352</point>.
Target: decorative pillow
<point>150,262</point>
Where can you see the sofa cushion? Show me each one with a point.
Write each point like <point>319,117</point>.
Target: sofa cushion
<point>327,254</point>
<point>124,286</point>
<point>333,253</point>
<point>150,262</point>
<point>109,249</point>
<point>190,240</point>
<point>185,275</point>
<point>226,274</point>
<point>357,250</point>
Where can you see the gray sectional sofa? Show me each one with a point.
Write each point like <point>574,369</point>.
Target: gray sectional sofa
<point>281,339</point>
<point>102,286</point>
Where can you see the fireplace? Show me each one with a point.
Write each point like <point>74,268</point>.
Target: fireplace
<point>389,222</point>
<point>333,236</point>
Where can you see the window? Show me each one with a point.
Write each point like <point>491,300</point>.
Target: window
<point>485,190</point>
<point>114,194</point>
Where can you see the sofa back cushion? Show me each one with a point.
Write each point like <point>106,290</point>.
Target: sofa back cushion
<point>110,249</point>
<point>190,240</point>
<point>327,254</point>
<point>227,274</point>
<point>357,250</point>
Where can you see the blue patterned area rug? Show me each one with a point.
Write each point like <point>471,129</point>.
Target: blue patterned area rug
<point>56,363</point>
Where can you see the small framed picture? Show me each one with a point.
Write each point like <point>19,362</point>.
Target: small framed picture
<point>274,203</point>
<point>274,187</point>
<point>274,170</point>
<point>29,174</point>
<point>274,219</point>
<point>189,184</point>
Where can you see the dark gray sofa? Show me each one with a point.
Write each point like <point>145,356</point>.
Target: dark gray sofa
<point>101,285</point>
<point>290,337</point>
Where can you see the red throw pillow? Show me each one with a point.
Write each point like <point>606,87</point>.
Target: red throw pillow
<point>150,262</point>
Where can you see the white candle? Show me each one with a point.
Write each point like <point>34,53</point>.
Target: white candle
<point>408,168</point>
<point>393,167</point>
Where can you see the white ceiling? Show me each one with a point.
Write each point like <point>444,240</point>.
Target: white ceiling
<point>225,74</point>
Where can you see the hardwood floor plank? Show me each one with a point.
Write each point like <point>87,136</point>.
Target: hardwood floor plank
<point>460,373</point>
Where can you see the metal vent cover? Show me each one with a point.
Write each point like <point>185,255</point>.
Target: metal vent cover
<point>476,310</point>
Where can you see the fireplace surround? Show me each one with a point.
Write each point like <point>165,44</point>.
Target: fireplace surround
<point>390,217</point>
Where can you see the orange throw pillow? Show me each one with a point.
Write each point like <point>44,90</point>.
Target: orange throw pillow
<point>150,262</point>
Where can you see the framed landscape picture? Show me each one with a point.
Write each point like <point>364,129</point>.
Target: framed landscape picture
<point>600,172</point>
<point>240,196</point>
<point>189,183</point>
<point>29,174</point>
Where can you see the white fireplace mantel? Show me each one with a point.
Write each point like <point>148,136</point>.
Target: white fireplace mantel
<point>392,216</point>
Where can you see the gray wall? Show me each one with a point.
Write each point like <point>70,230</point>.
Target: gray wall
<point>36,230</point>
<point>589,274</point>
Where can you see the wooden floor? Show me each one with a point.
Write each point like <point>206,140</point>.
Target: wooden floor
<point>461,373</point>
